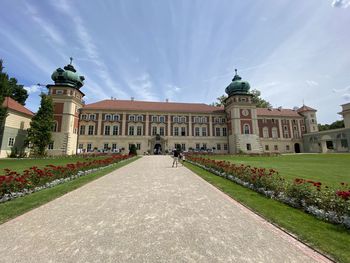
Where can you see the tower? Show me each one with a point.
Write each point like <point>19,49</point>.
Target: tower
<point>309,115</point>
<point>68,99</point>
<point>346,114</point>
<point>241,118</point>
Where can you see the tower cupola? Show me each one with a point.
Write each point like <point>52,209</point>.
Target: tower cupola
<point>68,76</point>
<point>237,86</point>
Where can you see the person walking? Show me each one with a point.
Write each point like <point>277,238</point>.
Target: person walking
<point>176,157</point>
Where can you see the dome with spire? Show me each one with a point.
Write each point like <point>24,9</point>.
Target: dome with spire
<point>68,76</point>
<point>237,86</point>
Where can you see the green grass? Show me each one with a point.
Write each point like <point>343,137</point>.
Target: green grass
<point>331,239</point>
<point>22,205</point>
<point>330,169</point>
<point>19,165</point>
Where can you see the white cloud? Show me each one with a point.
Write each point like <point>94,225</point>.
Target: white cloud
<point>311,83</point>
<point>32,89</point>
<point>142,87</point>
<point>172,91</point>
<point>346,97</point>
<point>341,3</point>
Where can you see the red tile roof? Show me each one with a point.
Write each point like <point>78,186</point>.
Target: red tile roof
<point>14,105</point>
<point>129,105</point>
<point>277,112</point>
<point>305,108</point>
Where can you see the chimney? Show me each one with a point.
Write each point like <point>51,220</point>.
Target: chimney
<point>279,108</point>
<point>166,100</point>
<point>111,98</point>
<point>132,98</point>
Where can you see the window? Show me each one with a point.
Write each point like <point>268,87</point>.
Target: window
<point>55,126</point>
<point>139,130</point>
<point>154,130</point>
<point>183,147</point>
<point>249,147</point>
<point>50,146</point>
<point>183,131</point>
<point>92,116</point>
<point>131,130</point>
<point>204,131</point>
<point>273,121</point>
<point>196,120</point>
<point>266,132</point>
<point>218,146</point>
<point>264,120</point>
<point>266,148</point>
<point>83,117</point>
<point>59,92</point>
<point>197,146</point>
<point>287,147</point>
<point>313,120</point>
<point>131,118</point>
<point>75,130</point>
<point>81,146</point>
<point>107,130</point>
<point>139,118</point>
<point>225,146</point>
<point>329,145</point>
<point>105,146</point>
<point>303,128</point>
<point>274,133</point>
<point>217,131</point>
<point>196,131</point>
<point>89,147</point>
<point>224,131</point>
<point>108,117</point>
<point>204,146</point>
<point>161,119</point>
<point>344,143</point>
<point>138,146</point>
<point>285,131</point>
<point>246,129</point>
<point>204,119</point>
<point>276,147</point>
<point>114,146</point>
<point>116,117</point>
<point>183,119</point>
<point>115,130</point>
<point>91,130</point>
<point>176,131</point>
<point>161,131</point>
<point>175,119</point>
<point>82,130</point>
<point>154,118</point>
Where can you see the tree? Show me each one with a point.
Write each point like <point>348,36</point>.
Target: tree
<point>334,125</point>
<point>260,103</point>
<point>40,131</point>
<point>132,150</point>
<point>10,88</point>
<point>3,92</point>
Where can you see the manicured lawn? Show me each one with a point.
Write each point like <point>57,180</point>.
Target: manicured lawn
<point>19,165</point>
<point>331,239</point>
<point>21,205</point>
<point>330,169</point>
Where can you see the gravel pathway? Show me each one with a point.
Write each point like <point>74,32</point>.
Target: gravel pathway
<point>147,212</point>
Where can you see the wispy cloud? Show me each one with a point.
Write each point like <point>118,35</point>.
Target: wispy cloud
<point>311,83</point>
<point>172,91</point>
<point>32,89</point>
<point>346,96</point>
<point>143,87</point>
<point>341,3</point>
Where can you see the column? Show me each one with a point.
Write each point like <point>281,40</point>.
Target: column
<point>190,125</point>
<point>210,126</point>
<point>123,123</point>
<point>99,123</point>
<point>169,126</point>
<point>280,127</point>
<point>147,124</point>
<point>291,129</point>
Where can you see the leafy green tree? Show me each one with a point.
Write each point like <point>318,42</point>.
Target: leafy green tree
<point>3,92</point>
<point>260,103</point>
<point>40,131</point>
<point>334,125</point>
<point>132,150</point>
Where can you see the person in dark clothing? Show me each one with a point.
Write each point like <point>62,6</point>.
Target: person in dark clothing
<point>176,157</point>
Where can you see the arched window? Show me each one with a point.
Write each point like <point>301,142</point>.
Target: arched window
<point>266,132</point>
<point>108,117</point>
<point>175,119</point>
<point>274,133</point>
<point>116,117</point>
<point>183,119</point>
<point>161,119</point>
<point>246,129</point>
<point>132,118</point>
<point>139,118</point>
<point>204,119</point>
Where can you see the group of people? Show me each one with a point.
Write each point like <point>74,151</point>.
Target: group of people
<point>178,156</point>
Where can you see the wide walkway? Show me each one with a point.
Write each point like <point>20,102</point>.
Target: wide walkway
<point>147,212</point>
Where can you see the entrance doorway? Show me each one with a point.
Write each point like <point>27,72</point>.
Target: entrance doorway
<point>297,148</point>
<point>157,149</point>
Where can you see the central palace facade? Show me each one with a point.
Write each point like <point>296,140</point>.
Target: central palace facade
<point>159,127</point>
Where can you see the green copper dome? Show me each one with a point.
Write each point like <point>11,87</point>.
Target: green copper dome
<point>68,76</point>
<point>237,86</point>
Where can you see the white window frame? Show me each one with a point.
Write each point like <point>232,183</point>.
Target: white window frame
<point>92,117</point>
<point>116,117</point>
<point>108,117</point>
<point>11,142</point>
<point>162,119</point>
<point>107,130</point>
<point>115,130</point>
<point>131,118</point>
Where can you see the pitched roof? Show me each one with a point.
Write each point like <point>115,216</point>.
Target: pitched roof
<point>14,105</point>
<point>305,108</point>
<point>277,112</point>
<point>129,105</point>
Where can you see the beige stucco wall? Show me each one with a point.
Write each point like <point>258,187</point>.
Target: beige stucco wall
<point>17,120</point>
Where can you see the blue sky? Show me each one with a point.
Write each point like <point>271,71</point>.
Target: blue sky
<point>184,50</point>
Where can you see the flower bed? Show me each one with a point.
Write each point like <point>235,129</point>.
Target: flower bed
<point>13,184</point>
<point>327,203</point>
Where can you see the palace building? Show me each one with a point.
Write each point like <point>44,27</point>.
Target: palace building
<point>158,127</point>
